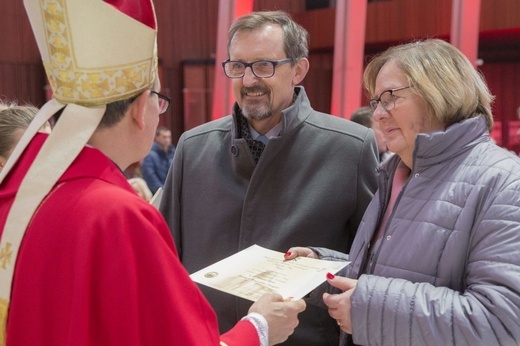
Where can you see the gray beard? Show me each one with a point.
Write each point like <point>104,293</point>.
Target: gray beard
<point>257,113</point>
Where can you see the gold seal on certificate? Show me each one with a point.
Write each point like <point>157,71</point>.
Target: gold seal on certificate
<point>210,275</point>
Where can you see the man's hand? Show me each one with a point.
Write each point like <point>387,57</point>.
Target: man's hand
<point>281,316</point>
<point>339,304</point>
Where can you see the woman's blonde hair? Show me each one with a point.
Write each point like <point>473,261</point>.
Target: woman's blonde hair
<point>13,118</point>
<point>438,72</point>
<point>141,188</point>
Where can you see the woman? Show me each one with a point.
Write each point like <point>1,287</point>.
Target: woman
<point>435,260</point>
<point>14,120</point>
<point>141,188</point>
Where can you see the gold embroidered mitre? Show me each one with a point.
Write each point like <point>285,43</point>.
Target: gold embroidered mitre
<point>95,52</point>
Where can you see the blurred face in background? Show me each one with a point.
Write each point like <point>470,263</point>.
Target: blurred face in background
<point>164,139</point>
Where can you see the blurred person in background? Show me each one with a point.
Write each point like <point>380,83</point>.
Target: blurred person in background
<point>363,116</point>
<point>14,120</point>
<point>141,188</point>
<point>155,165</point>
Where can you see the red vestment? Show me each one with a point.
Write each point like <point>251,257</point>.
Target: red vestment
<point>98,266</point>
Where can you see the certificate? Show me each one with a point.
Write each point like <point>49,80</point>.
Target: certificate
<point>256,270</point>
<point>156,199</point>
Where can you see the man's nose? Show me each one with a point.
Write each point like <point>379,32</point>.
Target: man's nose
<point>249,77</point>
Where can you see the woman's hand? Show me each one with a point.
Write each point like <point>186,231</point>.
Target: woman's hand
<point>339,304</point>
<point>294,252</point>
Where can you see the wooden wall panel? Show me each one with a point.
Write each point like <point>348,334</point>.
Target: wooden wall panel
<point>504,80</point>
<point>396,21</point>
<point>187,31</point>
<point>387,21</point>
<point>22,77</point>
<point>320,25</point>
<point>290,6</point>
<point>197,93</point>
<point>319,78</point>
<point>16,39</point>
<point>499,14</point>
<point>23,83</point>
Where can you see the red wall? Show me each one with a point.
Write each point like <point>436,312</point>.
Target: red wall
<point>187,32</point>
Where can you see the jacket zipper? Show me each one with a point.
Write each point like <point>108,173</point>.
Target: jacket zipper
<point>373,256</point>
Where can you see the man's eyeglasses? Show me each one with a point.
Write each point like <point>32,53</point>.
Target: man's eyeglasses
<point>387,99</point>
<point>164,101</point>
<point>260,68</point>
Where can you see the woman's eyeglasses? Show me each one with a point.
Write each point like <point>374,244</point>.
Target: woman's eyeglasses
<point>387,99</point>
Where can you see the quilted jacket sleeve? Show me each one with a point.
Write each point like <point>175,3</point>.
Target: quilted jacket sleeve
<point>400,312</point>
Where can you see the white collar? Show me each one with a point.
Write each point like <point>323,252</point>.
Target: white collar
<point>274,132</point>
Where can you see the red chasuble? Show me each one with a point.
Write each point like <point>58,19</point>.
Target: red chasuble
<point>98,266</point>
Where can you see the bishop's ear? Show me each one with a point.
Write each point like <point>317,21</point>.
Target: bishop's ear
<point>138,108</point>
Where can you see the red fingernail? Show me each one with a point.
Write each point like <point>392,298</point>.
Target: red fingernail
<point>288,253</point>
<point>330,276</point>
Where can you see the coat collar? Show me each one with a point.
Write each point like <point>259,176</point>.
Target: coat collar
<point>435,147</point>
<point>291,116</point>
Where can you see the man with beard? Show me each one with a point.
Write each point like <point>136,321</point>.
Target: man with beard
<point>274,173</point>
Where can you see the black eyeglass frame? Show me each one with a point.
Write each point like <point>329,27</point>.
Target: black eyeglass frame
<point>165,98</point>
<point>250,65</point>
<point>372,103</point>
